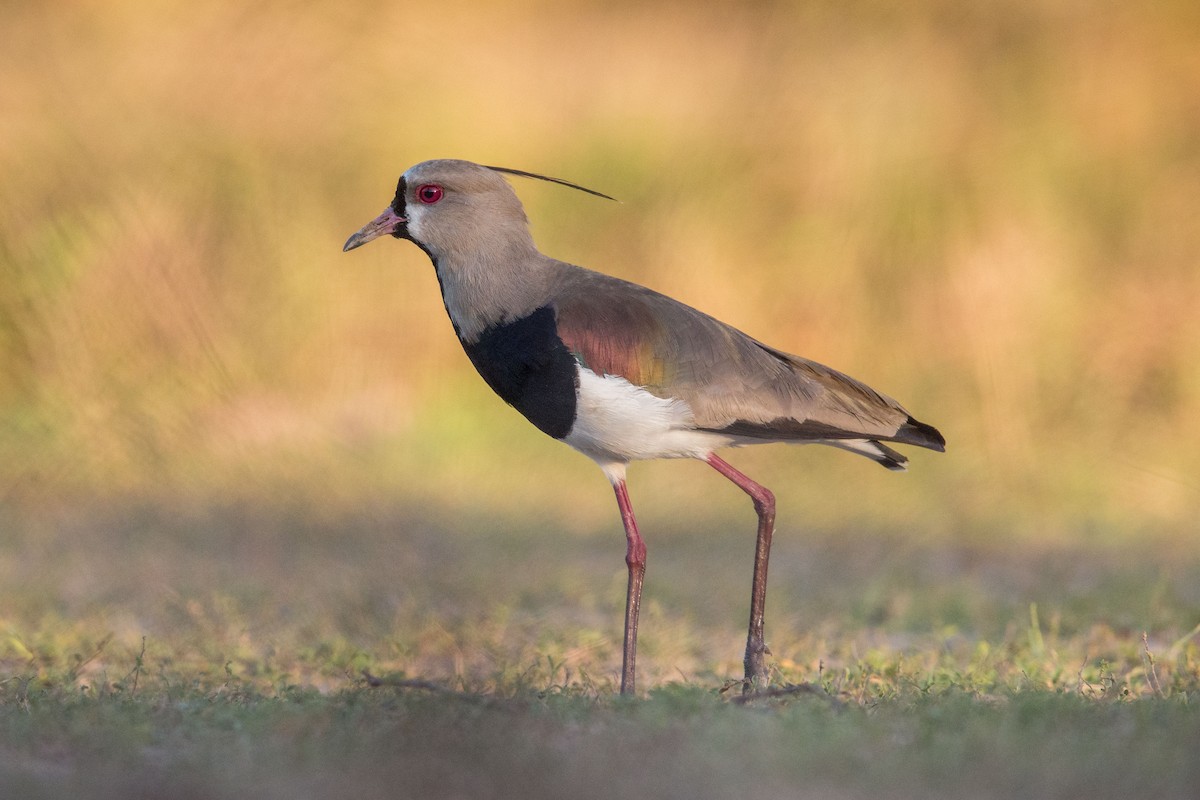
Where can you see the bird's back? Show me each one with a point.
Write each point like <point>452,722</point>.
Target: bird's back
<point>733,384</point>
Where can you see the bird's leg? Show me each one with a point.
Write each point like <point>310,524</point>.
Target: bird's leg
<point>764,505</point>
<point>635,558</point>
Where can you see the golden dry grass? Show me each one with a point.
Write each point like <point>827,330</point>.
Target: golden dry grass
<point>988,211</point>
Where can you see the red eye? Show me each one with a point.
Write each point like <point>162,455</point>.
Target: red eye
<point>429,193</point>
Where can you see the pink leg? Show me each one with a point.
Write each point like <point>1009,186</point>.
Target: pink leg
<point>635,558</point>
<point>764,505</point>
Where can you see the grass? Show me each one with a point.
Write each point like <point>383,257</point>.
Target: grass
<point>237,468</point>
<point>189,650</point>
<point>680,742</point>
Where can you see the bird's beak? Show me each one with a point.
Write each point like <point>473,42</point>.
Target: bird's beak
<point>389,222</point>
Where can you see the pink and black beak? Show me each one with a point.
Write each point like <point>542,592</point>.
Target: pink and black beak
<point>392,222</point>
<point>387,223</point>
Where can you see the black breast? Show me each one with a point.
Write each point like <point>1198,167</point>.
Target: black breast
<point>531,369</point>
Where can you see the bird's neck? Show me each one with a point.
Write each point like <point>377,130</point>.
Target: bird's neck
<point>480,291</point>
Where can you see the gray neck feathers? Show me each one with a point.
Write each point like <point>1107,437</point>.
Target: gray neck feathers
<point>493,286</point>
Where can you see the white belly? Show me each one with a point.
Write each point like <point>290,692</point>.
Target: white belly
<point>617,422</point>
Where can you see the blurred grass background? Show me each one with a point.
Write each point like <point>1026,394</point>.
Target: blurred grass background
<point>987,210</point>
<point>990,211</point>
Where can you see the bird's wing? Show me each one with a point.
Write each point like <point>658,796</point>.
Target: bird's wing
<point>733,383</point>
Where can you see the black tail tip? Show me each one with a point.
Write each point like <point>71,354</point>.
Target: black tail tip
<point>922,435</point>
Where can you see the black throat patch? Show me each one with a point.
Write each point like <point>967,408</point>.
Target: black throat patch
<point>527,364</point>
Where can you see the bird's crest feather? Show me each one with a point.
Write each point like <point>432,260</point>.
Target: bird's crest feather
<point>522,173</point>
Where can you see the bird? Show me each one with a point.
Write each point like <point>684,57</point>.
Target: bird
<point>621,372</point>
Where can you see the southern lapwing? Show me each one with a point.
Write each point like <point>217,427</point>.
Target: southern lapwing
<point>620,372</point>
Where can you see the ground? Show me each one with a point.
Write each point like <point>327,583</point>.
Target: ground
<point>192,650</point>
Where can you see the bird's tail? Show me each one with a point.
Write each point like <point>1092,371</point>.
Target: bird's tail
<point>919,434</point>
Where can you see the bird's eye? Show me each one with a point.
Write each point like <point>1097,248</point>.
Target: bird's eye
<point>429,193</point>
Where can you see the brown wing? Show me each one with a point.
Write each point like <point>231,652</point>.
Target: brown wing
<point>733,383</point>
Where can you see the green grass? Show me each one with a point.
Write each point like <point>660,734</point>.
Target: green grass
<point>680,742</point>
<point>191,649</point>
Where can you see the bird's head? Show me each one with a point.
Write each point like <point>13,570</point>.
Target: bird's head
<point>455,208</point>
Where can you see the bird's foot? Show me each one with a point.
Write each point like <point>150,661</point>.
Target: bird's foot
<point>757,676</point>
